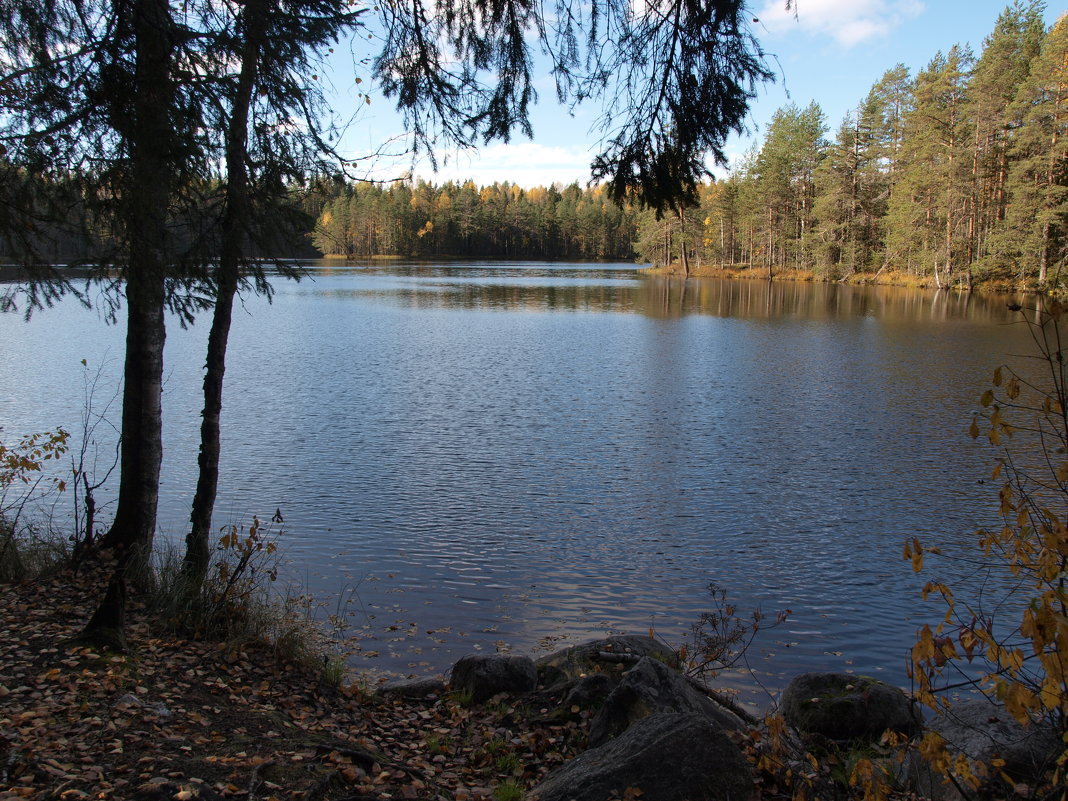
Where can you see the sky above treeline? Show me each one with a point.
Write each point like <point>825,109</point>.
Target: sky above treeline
<point>830,51</point>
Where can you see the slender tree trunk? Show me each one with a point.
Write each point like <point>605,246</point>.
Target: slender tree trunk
<point>973,211</point>
<point>148,137</point>
<point>236,222</point>
<point>771,252</point>
<point>1043,262</point>
<point>142,413</point>
<point>949,244</point>
<point>682,246</point>
<point>146,216</point>
<point>1043,267</point>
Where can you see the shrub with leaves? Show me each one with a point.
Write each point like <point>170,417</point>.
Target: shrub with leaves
<point>721,637</point>
<point>25,481</point>
<point>237,601</point>
<point>1010,641</point>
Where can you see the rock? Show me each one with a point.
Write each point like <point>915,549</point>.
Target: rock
<point>485,675</point>
<point>841,706</point>
<point>982,731</point>
<point>611,655</point>
<point>157,708</point>
<point>650,687</point>
<point>423,687</point>
<point>668,756</point>
<point>589,692</point>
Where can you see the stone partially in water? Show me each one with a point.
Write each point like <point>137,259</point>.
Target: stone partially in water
<point>845,707</point>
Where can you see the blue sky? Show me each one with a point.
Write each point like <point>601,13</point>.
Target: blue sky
<point>831,52</point>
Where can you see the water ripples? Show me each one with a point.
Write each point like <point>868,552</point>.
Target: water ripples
<point>483,456</point>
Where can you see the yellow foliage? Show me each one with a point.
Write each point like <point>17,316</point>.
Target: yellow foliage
<point>1025,660</point>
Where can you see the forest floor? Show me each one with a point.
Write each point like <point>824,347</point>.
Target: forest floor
<point>179,719</point>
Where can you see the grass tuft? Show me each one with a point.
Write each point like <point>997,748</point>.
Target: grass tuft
<point>31,553</point>
<point>508,790</point>
<point>237,603</point>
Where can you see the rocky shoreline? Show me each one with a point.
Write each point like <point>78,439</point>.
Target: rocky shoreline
<point>614,718</point>
<point>658,734</point>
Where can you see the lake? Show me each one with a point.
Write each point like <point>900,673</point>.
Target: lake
<point>517,456</point>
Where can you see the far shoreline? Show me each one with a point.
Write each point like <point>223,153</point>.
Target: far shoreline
<point>879,278</point>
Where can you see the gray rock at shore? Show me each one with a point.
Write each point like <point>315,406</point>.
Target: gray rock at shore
<point>609,655</point>
<point>845,707</point>
<point>669,756</point>
<point>651,687</point>
<point>486,675</point>
<point>983,731</point>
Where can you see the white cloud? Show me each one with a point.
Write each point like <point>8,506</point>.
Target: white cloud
<point>524,163</point>
<point>848,22</point>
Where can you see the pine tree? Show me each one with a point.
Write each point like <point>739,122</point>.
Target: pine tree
<point>838,203</point>
<point>1001,70</point>
<point>1037,216</point>
<point>929,200</point>
<point>785,169</point>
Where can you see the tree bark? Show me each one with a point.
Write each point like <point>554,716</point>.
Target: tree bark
<point>683,246</point>
<point>236,221</point>
<point>148,135</point>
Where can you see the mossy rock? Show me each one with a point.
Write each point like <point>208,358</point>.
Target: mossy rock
<point>610,655</point>
<point>845,707</point>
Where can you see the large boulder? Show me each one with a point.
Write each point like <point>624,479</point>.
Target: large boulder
<point>984,731</point>
<point>845,707</point>
<point>484,675</point>
<point>668,756</point>
<point>650,687</point>
<point>609,655</point>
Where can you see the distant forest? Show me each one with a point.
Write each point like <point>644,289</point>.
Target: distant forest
<point>954,176</point>
<point>462,220</point>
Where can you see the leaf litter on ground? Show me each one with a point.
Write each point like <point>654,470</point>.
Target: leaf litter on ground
<point>185,719</point>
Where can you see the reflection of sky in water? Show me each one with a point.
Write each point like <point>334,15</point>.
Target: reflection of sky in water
<point>498,478</point>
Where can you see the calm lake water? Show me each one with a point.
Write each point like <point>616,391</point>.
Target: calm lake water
<point>486,456</point>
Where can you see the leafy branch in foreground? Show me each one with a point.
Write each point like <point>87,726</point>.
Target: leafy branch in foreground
<point>1010,642</point>
<point>721,638</point>
<point>24,482</point>
<point>237,602</point>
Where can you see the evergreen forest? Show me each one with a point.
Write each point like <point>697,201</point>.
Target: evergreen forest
<point>956,175</point>
<point>500,221</point>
